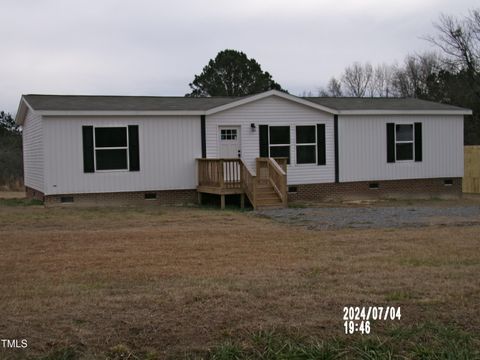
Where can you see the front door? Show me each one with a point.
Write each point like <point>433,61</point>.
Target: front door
<point>229,140</point>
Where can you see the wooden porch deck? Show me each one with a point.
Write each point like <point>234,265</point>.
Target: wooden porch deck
<point>268,188</point>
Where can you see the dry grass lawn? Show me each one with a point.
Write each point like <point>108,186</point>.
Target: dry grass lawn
<point>176,280</point>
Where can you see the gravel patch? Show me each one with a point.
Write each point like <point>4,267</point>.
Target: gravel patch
<point>376,217</point>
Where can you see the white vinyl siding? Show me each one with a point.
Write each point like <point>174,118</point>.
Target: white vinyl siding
<point>363,148</point>
<point>168,147</point>
<point>33,157</point>
<point>275,111</point>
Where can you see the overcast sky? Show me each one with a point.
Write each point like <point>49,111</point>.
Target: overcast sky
<point>154,47</point>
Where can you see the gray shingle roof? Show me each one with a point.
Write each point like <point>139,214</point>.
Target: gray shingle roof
<point>172,103</point>
<point>124,103</point>
<point>350,103</point>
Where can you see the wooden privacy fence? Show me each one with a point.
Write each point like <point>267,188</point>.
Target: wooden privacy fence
<point>471,178</point>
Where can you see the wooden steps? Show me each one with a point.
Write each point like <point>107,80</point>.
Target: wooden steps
<point>266,197</point>
<point>266,189</point>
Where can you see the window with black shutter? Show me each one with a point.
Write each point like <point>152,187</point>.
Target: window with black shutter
<point>110,148</point>
<point>404,142</point>
<point>306,144</point>
<point>279,142</point>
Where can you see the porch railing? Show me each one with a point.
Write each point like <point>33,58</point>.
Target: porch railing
<point>222,173</point>
<point>278,179</point>
<point>249,182</point>
<point>270,171</point>
<point>233,174</point>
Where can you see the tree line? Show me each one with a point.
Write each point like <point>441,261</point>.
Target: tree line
<point>451,75</point>
<point>448,75</point>
<point>11,161</point>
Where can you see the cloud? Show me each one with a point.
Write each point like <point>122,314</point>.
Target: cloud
<point>156,47</point>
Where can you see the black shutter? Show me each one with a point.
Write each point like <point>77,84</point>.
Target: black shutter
<point>133,148</point>
<point>335,148</point>
<point>321,158</point>
<point>88,160</point>
<point>418,141</point>
<point>263,136</point>
<point>203,136</point>
<point>390,142</point>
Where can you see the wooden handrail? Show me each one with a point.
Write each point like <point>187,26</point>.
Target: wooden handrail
<point>232,173</point>
<point>249,182</point>
<point>215,159</point>
<point>278,179</point>
<point>276,166</point>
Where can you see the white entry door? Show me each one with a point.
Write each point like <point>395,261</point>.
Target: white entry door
<point>229,140</point>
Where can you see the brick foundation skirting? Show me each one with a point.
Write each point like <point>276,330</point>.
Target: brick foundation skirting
<point>164,197</point>
<point>388,189</point>
<point>34,194</point>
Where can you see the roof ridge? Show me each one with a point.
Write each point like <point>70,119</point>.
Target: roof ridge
<point>363,97</point>
<point>140,96</point>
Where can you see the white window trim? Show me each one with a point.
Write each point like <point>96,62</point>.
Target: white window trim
<point>232,130</point>
<point>109,148</point>
<point>305,144</point>
<point>279,145</point>
<point>405,142</point>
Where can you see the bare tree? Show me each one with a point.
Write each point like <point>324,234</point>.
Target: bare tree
<point>459,39</point>
<point>411,80</point>
<point>381,83</point>
<point>306,93</point>
<point>335,87</point>
<point>357,78</point>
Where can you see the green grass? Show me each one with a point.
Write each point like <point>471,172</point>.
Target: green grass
<point>421,341</point>
<point>399,295</point>
<point>429,262</point>
<point>297,205</point>
<point>425,341</point>
<point>20,202</point>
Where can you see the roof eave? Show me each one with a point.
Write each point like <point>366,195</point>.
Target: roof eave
<point>69,113</point>
<point>406,112</point>
<point>23,107</point>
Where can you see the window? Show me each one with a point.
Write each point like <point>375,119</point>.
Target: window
<point>448,182</point>
<point>306,144</point>
<point>228,134</point>
<point>66,199</point>
<point>280,142</point>
<point>404,142</point>
<point>111,148</point>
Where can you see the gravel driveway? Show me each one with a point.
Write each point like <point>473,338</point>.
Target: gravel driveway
<point>377,216</point>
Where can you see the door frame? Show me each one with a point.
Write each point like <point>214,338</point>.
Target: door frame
<point>239,137</point>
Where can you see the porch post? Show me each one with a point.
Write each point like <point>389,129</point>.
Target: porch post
<point>222,202</point>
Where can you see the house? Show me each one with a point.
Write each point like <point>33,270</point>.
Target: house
<point>270,148</point>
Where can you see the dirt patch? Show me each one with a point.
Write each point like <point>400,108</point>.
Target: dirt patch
<point>179,279</point>
<point>12,194</point>
<point>377,216</point>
